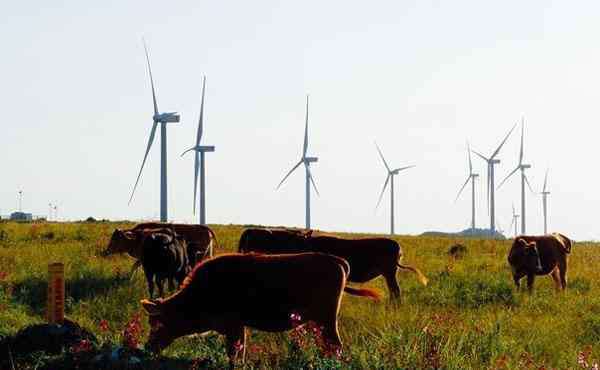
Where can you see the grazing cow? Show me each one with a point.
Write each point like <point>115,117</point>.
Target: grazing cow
<point>368,258</point>
<point>164,256</point>
<point>266,292</point>
<point>540,255</point>
<point>199,240</point>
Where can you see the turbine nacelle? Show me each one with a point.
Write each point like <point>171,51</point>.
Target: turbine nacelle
<point>310,159</point>
<point>169,117</point>
<point>525,166</point>
<point>494,161</point>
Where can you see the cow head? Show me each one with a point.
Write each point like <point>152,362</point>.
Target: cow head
<point>165,326</point>
<point>528,256</point>
<point>120,242</point>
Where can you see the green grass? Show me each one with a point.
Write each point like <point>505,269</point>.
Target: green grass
<point>469,317</point>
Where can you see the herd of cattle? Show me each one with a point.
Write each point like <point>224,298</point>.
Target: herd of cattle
<point>278,273</point>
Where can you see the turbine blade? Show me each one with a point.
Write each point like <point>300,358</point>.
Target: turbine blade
<point>196,171</point>
<point>151,79</point>
<point>289,173</point>
<point>513,208</point>
<point>403,168</point>
<point>470,162</point>
<point>503,141</point>
<point>305,148</point>
<point>480,155</point>
<point>509,175</point>
<point>387,179</point>
<point>383,159</point>
<point>150,141</point>
<point>522,135</point>
<point>201,119</point>
<point>312,180</point>
<point>511,224</point>
<point>545,182</point>
<point>528,184</point>
<point>190,149</point>
<point>461,189</point>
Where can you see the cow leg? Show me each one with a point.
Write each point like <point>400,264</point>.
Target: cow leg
<point>530,280</point>
<point>517,276</point>
<point>171,284</point>
<point>562,267</point>
<point>160,281</point>
<point>235,340</point>
<point>556,277</point>
<point>392,283</point>
<point>135,266</point>
<point>150,280</point>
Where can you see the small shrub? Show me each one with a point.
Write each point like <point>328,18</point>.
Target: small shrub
<point>580,285</point>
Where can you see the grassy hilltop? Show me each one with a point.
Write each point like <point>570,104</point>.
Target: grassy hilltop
<point>469,317</point>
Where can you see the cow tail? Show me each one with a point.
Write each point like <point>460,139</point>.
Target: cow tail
<point>369,293</point>
<point>213,236</point>
<point>422,278</point>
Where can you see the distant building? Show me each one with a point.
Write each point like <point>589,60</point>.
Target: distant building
<point>21,216</point>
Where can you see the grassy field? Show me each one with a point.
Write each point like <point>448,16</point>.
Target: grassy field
<point>469,317</point>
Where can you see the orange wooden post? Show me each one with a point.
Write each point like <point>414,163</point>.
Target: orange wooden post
<point>56,293</point>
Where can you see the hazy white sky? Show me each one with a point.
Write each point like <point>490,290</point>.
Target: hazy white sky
<point>420,77</point>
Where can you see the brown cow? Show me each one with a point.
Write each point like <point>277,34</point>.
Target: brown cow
<point>540,255</point>
<point>368,258</point>
<point>199,240</point>
<point>267,292</point>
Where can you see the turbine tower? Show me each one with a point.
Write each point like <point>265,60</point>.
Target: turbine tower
<point>199,166</point>
<point>515,221</point>
<point>472,176</point>
<point>491,195</point>
<point>163,119</point>
<point>545,203</point>
<point>390,179</point>
<point>306,161</point>
<point>521,166</point>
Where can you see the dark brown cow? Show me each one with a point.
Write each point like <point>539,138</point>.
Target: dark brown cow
<point>368,258</point>
<point>540,255</point>
<point>229,292</point>
<point>199,239</point>
<point>164,257</point>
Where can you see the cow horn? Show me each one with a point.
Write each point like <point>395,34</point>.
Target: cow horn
<point>151,307</point>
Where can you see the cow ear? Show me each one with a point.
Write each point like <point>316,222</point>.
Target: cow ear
<point>129,235</point>
<point>530,244</point>
<point>151,307</point>
<point>522,242</point>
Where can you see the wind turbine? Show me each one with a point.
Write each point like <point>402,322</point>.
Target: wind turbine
<point>199,166</point>
<point>389,178</point>
<point>491,162</point>
<point>521,166</point>
<point>472,176</point>
<point>306,161</point>
<point>515,220</point>
<point>545,203</point>
<point>163,119</point>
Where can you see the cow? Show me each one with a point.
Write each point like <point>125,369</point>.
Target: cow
<point>368,258</point>
<point>164,257</point>
<point>271,293</point>
<point>199,240</point>
<point>540,255</point>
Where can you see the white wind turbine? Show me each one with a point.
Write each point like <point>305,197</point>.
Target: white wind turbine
<point>545,203</point>
<point>390,179</point>
<point>199,167</point>
<point>163,119</point>
<point>491,162</point>
<point>521,166</point>
<point>472,176</point>
<point>306,161</point>
<point>515,221</point>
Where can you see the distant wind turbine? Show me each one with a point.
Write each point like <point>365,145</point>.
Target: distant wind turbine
<point>306,161</point>
<point>545,194</point>
<point>390,179</point>
<point>163,119</point>
<point>472,176</point>
<point>199,167</point>
<point>515,221</point>
<point>521,166</point>
<point>491,161</point>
